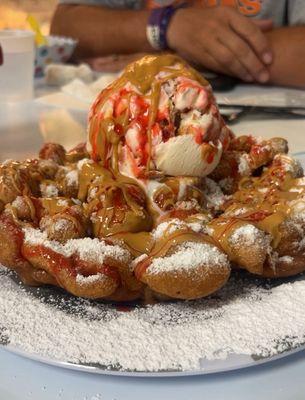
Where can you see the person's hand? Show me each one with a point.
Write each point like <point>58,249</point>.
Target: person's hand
<point>1,56</point>
<point>222,40</point>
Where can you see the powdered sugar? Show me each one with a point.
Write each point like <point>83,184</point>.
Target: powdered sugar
<point>88,249</point>
<point>82,162</point>
<point>197,226</point>
<point>88,280</point>
<point>97,396</point>
<point>137,260</point>
<point>188,205</point>
<point>244,318</point>
<point>60,225</point>
<point>246,234</point>
<point>188,257</point>
<point>63,202</point>
<point>214,195</point>
<point>286,259</point>
<point>168,227</point>
<point>18,202</point>
<point>72,178</point>
<point>92,193</point>
<point>226,184</point>
<point>249,235</point>
<point>244,165</point>
<point>236,212</point>
<point>48,190</point>
<point>289,164</point>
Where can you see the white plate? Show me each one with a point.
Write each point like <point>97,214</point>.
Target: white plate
<point>96,315</point>
<point>232,362</point>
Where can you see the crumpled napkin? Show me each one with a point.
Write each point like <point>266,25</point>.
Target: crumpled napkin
<point>88,92</point>
<point>59,74</point>
<point>78,81</point>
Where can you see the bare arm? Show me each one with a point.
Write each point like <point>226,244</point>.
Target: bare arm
<point>102,31</point>
<point>218,38</point>
<point>288,67</point>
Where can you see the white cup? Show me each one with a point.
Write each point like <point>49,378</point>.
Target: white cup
<point>17,70</point>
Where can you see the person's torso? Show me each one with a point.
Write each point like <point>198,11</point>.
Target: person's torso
<point>282,12</point>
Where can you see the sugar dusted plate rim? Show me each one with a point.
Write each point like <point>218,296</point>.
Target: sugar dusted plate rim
<point>234,362</point>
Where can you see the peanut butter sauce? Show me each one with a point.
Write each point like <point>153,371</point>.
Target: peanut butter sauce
<point>118,203</point>
<point>137,243</point>
<point>168,243</point>
<point>11,180</point>
<point>54,205</point>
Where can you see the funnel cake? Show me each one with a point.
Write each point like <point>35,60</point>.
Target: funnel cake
<point>161,202</point>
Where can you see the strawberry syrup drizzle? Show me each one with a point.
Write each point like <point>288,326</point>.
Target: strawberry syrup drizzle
<point>72,265</point>
<point>56,262</point>
<point>142,267</point>
<point>82,267</point>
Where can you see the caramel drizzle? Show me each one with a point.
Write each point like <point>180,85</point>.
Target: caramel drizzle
<point>116,207</point>
<point>223,226</point>
<point>137,243</point>
<point>267,199</point>
<point>46,206</point>
<point>13,175</point>
<point>162,247</point>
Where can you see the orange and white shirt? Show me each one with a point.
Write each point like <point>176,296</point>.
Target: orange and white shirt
<point>282,12</point>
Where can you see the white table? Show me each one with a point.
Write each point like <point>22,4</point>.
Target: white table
<point>22,379</point>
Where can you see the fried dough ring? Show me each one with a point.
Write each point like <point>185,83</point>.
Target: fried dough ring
<point>37,264</point>
<point>53,151</point>
<point>65,225</point>
<point>11,239</point>
<point>244,156</point>
<point>290,255</point>
<point>105,280</point>
<point>263,224</point>
<point>13,182</point>
<point>122,294</point>
<point>191,279</point>
<point>59,217</point>
<point>246,246</point>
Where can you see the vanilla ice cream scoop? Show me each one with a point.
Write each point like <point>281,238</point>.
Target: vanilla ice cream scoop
<point>159,116</point>
<point>181,155</point>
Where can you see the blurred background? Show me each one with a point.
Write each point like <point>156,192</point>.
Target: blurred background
<point>13,13</point>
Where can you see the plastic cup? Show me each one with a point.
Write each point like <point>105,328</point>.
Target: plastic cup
<point>17,70</point>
